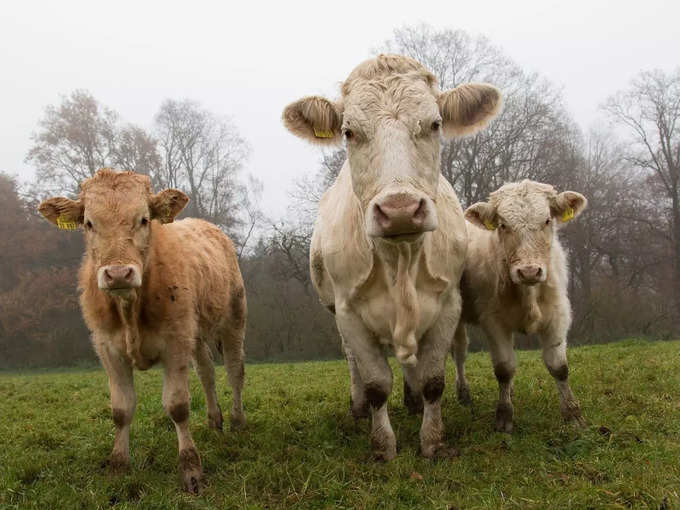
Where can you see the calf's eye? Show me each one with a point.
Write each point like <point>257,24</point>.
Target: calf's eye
<point>436,125</point>
<point>88,225</point>
<point>547,222</point>
<point>348,133</point>
<point>145,222</point>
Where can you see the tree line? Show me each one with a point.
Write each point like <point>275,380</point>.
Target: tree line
<point>624,251</point>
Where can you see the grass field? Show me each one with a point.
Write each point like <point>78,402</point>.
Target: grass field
<point>301,448</point>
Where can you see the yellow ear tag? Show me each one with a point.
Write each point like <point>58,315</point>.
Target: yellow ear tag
<point>323,134</point>
<point>567,215</point>
<point>66,224</point>
<point>489,225</point>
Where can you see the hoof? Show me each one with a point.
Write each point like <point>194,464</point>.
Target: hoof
<point>464,397</point>
<point>571,412</point>
<point>384,448</point>
<point>118,463</point>
<point>504,413</point>
<point>237,421</point>
<point>191,471</point>
<point>216,421</point>
<point>440,451</point>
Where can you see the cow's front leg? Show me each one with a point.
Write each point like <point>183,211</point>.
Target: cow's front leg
<point>554,344</point>
<point>123,401</point>
<point>376,376</point>
<point>432,352</point>
<point>358,405</point>
<point>504,365</point>
<point>176,400</point>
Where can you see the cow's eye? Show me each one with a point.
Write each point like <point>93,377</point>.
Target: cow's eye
<point>547,222</point>
<point>502,226</point>
<point>145,222</point>
<point>88,225</point>
<point>347,133</point>
<point>436,125</point>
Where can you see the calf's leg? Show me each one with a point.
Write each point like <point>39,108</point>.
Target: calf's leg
<point>459,353</point>
<point>554,344</point>
<point>176,401</point>
<point>123,401</point>
<point>504,365</point>
<point>376,376</point>
<point>232,352</point>
<point>203,363</point>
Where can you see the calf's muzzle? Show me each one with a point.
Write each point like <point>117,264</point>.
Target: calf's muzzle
<point>119,277</point>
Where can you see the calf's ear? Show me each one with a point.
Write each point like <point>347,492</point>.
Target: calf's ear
<point>468,108</point>
<point>63,212</point>
<point>315,119</point>
<point>167,204</point>
<point>482,215</point>
<point>567,205</point>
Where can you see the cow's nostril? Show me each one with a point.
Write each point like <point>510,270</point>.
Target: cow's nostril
<point>383,219</point>
<point>421,211</point>
<point>128,275</point>
<point>107,276</point>
<point>539,271</point>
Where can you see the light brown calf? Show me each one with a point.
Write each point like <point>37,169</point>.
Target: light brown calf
<point>153,290</point>
<point>515,279</point>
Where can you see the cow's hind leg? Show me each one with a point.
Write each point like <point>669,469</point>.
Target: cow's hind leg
<point>376,376</point>
<point>232,352</point>
<point>413,391</point>
<point>176,401</point>
<point>123,400</point>
<point>358,405</point>
<point>203,362</point>
<point>554,344</point>
<point>504,366</point>
<point>459,353</point>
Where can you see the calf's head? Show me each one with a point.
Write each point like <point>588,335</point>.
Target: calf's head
<point>116,209</point>
<point>525,217</point>
<point>391,116</point>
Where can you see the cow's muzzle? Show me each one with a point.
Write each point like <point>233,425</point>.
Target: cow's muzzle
<point>400,215</point>
<point>529,274</point>
<point>118,279</point>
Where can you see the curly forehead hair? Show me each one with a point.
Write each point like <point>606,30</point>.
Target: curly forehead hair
<point>109,180</point>
<point>521,189</point>
<point>385,65</point>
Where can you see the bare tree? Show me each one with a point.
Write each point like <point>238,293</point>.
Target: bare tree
<point>136,150</point>
<point>649,111</point>
<point>521,142</point>
<point>202,154</point>
<point>75,139</point>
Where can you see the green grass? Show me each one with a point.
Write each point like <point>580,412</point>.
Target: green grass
<point>301,448</point>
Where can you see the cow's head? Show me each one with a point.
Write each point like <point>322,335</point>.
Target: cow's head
<point>116,209</point>
<point>525,217</point>
<point>392,115</point>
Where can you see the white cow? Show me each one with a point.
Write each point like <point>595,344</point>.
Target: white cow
<point>515,279</point>
<point>389,242</point>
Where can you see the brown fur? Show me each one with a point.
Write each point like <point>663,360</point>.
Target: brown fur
<point>191,292</point>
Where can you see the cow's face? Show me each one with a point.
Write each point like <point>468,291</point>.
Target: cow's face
<point>116,212</point>
<point>525,216</point>
<point>391,117</point>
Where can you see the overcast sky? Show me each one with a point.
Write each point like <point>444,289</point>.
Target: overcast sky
<point>249,59</point>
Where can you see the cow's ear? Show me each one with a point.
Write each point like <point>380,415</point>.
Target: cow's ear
<point>482,215</point>
<point>567,205</point>
<point>315,119</point>
<point>63,212</point>
<point>468,108</point>
<point>167,204</point>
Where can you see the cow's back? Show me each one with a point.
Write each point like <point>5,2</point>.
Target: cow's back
<point>206,264</point>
